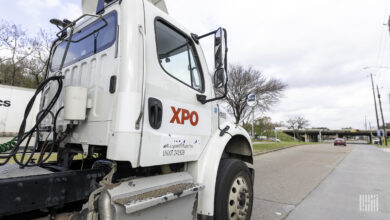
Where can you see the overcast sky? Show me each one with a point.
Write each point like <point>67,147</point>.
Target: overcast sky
<point>317,47</point>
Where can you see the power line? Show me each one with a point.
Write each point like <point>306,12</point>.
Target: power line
<point>384,49</point>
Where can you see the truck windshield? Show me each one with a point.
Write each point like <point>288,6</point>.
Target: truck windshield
<point>88,41</point>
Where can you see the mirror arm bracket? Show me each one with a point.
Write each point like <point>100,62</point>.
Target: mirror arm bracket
<point>203,99</point>
<point>196,37</point>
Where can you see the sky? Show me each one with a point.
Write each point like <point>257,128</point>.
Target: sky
<point>320,48</point>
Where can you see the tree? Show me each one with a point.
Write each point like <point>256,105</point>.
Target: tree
<point>17,45</point>
<point>24,57</point>
<point>296,123</point>
<point>245,80</point>
<point>291,123</point>
<point>265,127</point>
<point>36,65</point>
<point>301,122</point>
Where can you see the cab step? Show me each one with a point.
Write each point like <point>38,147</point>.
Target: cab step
<point>140,194</point>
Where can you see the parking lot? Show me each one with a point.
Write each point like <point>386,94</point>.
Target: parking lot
<point>323,182</point>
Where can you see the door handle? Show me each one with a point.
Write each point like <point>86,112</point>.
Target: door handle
<point>155,112</point>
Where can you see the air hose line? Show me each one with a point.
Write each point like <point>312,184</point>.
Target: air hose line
<point>15,145</point>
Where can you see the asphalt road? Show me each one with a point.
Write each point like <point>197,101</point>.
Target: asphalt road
<point>323,182</point>
<point>285,178</point>
<point>359,188</point>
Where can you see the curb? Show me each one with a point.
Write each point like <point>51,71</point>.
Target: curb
<point>269,151</point>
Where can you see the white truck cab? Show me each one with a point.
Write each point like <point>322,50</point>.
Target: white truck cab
<point>129,88</point>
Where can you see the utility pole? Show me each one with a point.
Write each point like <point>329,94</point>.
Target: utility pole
<point>383,120</point>
<point>276,134</point>
<point>253,122</point>
<point>371,135</point>
<point>376,110</point>
<point>365,122</point>
<point>388,23</point>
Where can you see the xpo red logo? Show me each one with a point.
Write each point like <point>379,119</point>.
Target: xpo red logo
<point>180,115</point>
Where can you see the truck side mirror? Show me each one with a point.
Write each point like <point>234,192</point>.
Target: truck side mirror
<point>219,78</point>
<point>220,63</point>
<point>219,48</point>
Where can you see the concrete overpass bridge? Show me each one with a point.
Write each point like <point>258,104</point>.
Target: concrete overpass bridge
<point>315,135</point>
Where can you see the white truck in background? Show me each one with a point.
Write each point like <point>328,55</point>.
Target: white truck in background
<point>128,88</point>
<point>13,101</point>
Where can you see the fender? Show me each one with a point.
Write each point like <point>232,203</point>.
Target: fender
<point>206,168</point>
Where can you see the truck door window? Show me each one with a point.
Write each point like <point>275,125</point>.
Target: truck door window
<point>177,56</point>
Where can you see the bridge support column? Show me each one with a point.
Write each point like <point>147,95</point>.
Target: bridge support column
<point>307,138</point>
<point>320,137</point>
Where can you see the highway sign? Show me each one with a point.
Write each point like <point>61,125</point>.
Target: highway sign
<point>251,101</point>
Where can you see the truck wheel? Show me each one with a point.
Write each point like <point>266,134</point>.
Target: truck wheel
<point>233,191</point>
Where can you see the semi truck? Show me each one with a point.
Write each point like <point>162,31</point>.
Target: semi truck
<point>129,110</point>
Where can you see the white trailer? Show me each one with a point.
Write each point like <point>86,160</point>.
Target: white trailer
<point>13,102</point>
<point>128,87</point>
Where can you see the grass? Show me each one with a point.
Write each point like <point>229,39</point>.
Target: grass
<point>383,146</point>
<point>257,148</point>
<point>280,135</point>
<point>284,137</point>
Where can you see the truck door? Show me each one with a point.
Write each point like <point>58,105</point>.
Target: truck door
<point>176,126</point>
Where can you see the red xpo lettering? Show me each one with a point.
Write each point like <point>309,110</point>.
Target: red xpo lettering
<point>180,115</point>
<point>193,121</point>
<point>185,115</point>
<point>175,116</point>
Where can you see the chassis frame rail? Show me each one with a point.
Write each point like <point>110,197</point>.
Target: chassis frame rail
<point>27,193</point>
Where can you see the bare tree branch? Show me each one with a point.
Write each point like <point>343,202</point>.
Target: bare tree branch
<point>243,81</point>
<point>25,56</point>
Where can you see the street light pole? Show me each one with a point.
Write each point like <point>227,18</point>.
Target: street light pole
<point>379,67</point>
<point>383,120</point>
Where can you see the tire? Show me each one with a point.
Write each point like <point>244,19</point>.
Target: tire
<point>233,191</point>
